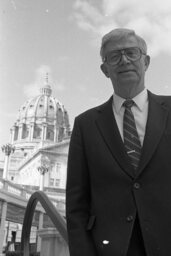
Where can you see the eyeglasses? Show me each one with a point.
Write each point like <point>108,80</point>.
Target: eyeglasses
<point>133,54</point>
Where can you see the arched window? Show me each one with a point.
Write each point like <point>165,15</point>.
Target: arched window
<point>50,132</point>
<point>25,131</point>
<point>16,133</point>
<point>37,132</point>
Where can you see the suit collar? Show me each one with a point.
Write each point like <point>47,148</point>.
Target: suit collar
<point>156,123</point>
<point>109,131</point>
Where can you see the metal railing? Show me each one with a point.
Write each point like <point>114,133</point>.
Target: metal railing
<point>56,218</point>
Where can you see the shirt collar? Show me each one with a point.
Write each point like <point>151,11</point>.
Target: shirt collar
<point>140,100</point>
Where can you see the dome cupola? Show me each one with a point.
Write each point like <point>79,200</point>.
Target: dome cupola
<point>41,119</point>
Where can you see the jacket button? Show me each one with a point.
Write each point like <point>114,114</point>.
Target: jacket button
<point>129,218</point>
<point>136,185</point>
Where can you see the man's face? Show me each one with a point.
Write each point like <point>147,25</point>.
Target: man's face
<point>127,76</point>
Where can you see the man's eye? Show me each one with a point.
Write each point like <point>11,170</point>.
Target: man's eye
<point>114,57</point>
<point>132,53</point>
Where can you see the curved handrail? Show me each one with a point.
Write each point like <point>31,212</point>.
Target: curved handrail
<point>56,218</point>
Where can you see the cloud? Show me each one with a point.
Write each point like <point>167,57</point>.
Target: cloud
<point>7,114</point>
<point>43,75</point>
<point>33,89</point>
<point>63,59</point>
<point>150,19</point>
<point>13,4</point>
<point>59,86</point>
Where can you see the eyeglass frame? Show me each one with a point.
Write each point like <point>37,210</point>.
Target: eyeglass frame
<point>122,52</point>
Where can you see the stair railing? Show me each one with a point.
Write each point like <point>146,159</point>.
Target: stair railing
<point>58,221</point>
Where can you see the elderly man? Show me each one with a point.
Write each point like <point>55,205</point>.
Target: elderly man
<point>118,196</point>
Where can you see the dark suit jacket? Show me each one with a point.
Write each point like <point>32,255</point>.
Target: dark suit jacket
<point>104,193</point>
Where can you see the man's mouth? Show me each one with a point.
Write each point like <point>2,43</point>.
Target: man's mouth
<point>126,71</point>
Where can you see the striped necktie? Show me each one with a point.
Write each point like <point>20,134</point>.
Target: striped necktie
<point>130,134</point>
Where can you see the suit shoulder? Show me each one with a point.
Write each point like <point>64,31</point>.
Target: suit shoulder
<point>162,99</point>
<point>93,112</point>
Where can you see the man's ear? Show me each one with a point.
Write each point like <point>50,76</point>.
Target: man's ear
<point>104,69</point>
<point>147,62</point>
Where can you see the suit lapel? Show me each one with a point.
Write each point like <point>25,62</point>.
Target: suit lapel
<point>157,116</point>
<point>108,128</point>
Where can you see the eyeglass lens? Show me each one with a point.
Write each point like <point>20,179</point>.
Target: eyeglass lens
<point>114,57</point>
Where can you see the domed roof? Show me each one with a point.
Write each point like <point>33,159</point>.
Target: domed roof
<point>42,111</point>
<point>43,106</point>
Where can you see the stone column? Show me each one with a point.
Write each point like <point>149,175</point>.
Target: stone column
<point>31,131</point>
<point>43,169</point>
<point>6,162</point>
<point>12,133</point>
<point>2,227</point>
<point>7,149</point>
<point>52,243</point>
<point>44,132</point>
<point>20,132</point>
<point>56,132</point>
<point>39,239</point>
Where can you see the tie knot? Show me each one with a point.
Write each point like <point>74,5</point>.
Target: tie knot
<point>128,103</point>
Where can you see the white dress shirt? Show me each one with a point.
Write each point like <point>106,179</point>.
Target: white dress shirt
<point>139,110</point>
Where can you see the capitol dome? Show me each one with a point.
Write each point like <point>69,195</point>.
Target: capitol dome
<point>41,119</point>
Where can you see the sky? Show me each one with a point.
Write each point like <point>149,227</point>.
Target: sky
<point>63,37</point>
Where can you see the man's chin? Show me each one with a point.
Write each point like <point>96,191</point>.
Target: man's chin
<point>128,90</point>
<point>128,82</point>
<point>127,77</point>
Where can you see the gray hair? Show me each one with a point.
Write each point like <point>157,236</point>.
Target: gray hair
<point>120,34</point>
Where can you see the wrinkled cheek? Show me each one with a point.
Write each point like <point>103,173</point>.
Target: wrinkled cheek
<point>114,79</point>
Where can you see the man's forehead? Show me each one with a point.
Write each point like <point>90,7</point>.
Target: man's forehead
<point>123,38</point>
<point>121,43</point>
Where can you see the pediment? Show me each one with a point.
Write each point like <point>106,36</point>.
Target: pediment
<point>58,148</point>
<point>52,151</point>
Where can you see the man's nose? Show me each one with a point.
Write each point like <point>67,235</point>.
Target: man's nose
<point>124,59</point>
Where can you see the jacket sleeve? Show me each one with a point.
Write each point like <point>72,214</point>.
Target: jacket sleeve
<point>78,197</point>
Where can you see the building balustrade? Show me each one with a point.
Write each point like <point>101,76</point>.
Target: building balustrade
<point>59,222</point>
<point>14,189</point>
<point>17,196</point>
